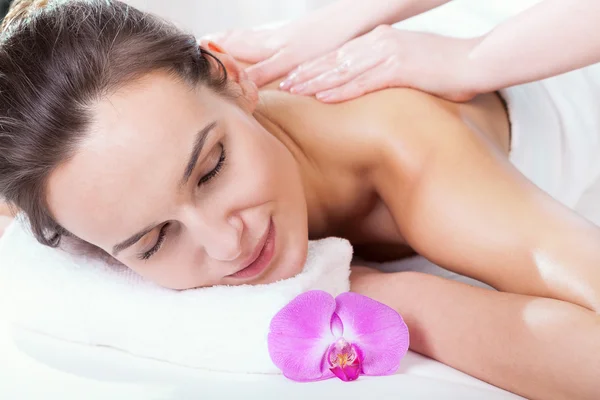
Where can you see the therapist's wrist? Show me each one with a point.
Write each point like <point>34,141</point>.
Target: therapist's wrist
<point>347,19</point>
<point>476,75</point>
<point>470,76</point>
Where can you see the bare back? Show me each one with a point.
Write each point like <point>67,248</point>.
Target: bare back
<point>349,134</point>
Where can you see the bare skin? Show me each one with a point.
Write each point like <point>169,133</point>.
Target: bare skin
<point>5,217</point>
<point>391,171</point>
<point>446,178</point>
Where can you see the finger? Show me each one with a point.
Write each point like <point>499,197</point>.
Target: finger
<point>328,62</point>
<point>338,76</point>
<point>270,69</point>
<point>377,78</point>
<point>310,70</point>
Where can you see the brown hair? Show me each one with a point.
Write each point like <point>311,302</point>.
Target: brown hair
<point>56,59</point>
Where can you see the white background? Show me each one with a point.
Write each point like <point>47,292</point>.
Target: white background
<point>207,16</point>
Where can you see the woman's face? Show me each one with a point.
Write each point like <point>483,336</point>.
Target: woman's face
<point>184,187</point>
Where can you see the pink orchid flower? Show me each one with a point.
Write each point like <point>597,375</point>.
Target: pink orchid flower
<point>318,337</point>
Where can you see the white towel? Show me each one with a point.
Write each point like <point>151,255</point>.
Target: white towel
<point>217,328</point>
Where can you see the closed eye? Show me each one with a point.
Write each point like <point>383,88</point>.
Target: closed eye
<point>215,171</point>
<point>163,232</point>
<point>161,238</point>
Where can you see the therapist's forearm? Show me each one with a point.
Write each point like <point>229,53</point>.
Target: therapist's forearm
<point>551,38</point>
<point>359,17</point>
<point>536,347</point>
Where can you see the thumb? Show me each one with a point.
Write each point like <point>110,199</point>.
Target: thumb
<point>270,69</point>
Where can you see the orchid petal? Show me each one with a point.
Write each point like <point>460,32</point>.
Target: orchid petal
<point>348,373</point>
<point>377,330</point>
<point>300,335</point>
<point>352,371</point>
<point>337,327</point>
<point>339,372</point>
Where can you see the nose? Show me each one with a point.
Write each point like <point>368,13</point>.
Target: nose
<point>222,240</point>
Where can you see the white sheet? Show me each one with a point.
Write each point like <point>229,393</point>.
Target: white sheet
<point>34,366</point>
<point>28,356</point>
<point>31,361</point>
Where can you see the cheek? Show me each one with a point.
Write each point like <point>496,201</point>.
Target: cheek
<point>258,171</point>
<point>277,177</point>
<point>178,270</point>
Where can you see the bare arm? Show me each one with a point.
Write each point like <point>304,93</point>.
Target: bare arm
<point>551,38</point>
<point>458,201</point>
<point>538,348</point>
<point>360,17</point>
<point>277,51</point>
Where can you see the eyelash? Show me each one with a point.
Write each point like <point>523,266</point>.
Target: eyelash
<point>163,232</point>
<point>161,238</point>
<point>215,170</point>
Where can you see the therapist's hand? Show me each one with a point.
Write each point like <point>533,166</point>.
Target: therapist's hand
<point>276,51</point>
<point>388,57</point>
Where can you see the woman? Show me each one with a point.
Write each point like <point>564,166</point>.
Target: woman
<point>120,132</point>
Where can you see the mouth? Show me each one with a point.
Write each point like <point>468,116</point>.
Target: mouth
<point>261,257</point>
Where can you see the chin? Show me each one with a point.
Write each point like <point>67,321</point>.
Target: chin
<point>287,271</point>
<point>291,262</point>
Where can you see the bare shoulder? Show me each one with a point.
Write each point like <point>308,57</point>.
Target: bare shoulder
<point>395,104</point>
<point>360,129</point>
<point>412,127</point>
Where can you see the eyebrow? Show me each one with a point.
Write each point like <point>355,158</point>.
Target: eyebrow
<point>132,240</point>
<point>187,173</point>
<point>197,149</point>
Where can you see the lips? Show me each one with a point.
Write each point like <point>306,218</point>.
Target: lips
<point>261,257</point>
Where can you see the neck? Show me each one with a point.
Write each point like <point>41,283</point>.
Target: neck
<point>311,179</point>
<point>326,184</point>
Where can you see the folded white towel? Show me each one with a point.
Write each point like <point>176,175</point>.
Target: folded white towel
<point>217,328</point>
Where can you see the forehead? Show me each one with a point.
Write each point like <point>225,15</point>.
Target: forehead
<point>135,150</point>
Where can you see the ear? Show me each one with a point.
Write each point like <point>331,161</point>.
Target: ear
<point>236,75</point>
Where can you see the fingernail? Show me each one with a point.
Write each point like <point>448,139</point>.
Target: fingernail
<point>324,95</point>
<point>212,46</point>
<point>298,88</point>
<point>286,84</point>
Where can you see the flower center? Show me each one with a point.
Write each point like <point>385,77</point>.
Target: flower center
<point>342,353</point>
